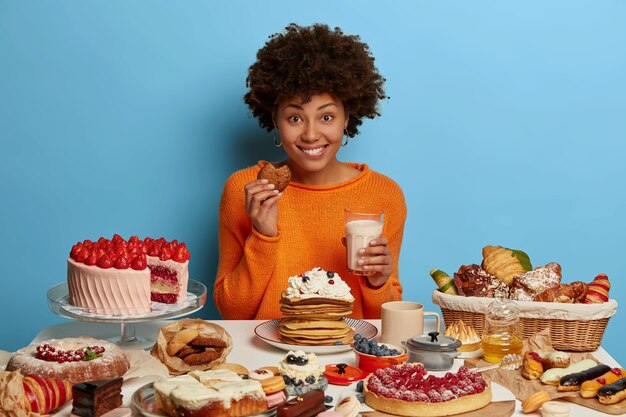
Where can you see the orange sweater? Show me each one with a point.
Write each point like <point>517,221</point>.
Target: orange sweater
<point>254,269</point>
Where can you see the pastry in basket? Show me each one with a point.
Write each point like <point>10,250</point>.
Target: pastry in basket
<point>444,282</point>
<point>302,372</point>
<point>473,281</point>
<point>191,345</point>
<point>505,263</point>
<point>589,389</point>
<point>467,334</point>
<point>598,290</point>
<point>405,390</point>
<point>23,395</point>
<point>72,359</point>
<point>525,287</point>
<point>210,393</point>
<point>564,293</point>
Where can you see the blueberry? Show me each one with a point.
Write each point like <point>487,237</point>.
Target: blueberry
<point>358,337</point>
<point>310,379</point>
<point>291,359</point>
<point>288,380</point>
<point>359,386</point>
<point>338,342</point>
<point>305,278</point>
<point>328,399</point>
<point>330,274</point>
<point>360,398</point>
<point>371,342</point>
<point>301,360</point>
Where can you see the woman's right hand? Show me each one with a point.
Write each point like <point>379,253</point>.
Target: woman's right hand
<point>262,206</point>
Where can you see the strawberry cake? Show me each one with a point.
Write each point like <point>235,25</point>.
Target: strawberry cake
<point>117,277</point>
<point>407,390</point>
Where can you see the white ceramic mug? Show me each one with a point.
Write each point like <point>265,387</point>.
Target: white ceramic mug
<point>401,320</point>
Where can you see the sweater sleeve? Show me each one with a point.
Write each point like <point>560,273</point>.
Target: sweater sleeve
<point>245,258</point>
<point>391,290</point>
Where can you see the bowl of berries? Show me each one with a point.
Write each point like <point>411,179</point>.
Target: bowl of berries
<point>371,355</point>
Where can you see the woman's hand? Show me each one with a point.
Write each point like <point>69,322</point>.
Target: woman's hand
<point>262,206</point>
<point>376,258</point>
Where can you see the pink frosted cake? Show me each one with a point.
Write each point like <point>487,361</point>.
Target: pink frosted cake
<point>118,277</point>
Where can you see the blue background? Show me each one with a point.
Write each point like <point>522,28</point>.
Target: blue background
<point>506,125</point>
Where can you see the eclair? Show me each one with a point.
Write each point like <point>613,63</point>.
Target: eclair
<point>554,375</point>
<point>613,393</point>
<point>573,381</point>
<point>589,389</point>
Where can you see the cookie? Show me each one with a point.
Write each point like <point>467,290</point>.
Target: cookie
<point>207,341</point>
<point>260,374</point>
<point>277,174</point>
<point>534,401</point>
<point>188,350</point>
<point>203,357</point>
<point>180,340</point>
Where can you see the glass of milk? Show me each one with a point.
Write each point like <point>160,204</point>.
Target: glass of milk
<point>361,228</point>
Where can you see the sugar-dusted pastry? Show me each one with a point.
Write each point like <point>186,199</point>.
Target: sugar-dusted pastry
<point>444,282</point>
<point>525,287</point>
<point>277,174</point>
<point>564,293</point>
<point>505,263</point>
<point>598,291</point>
<point>466,333</point>
<point>554,359</point>
<point>473,281</point>
<point>589,389</point>
<point>532,368</point>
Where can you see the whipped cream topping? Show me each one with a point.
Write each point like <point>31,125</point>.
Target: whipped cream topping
<point>301,372</point>
<point>318,283</point>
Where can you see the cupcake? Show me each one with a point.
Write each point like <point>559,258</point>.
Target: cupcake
<point>302,372</point>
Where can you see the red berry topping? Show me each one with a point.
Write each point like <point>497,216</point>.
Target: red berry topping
<point>76,249</point>
<point>535,356</point>
<point>92,259</point>
<point>105,262</point>
<point>617,371</point>
<point>166,254</point>
<point>117,238</point>
<point>82,256</point>
<point>133,239</point>
<point>102,241</point>
<point>331,281</point>
<point>601,381</point>
<point>139,263</point>
<point>88,243</point>
<point>123,262</point>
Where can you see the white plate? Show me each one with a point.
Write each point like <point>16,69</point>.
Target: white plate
<point>145,402</point>
<point>268,332</point>
<point>473,354</point>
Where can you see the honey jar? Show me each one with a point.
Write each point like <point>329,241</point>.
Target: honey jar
<point>501,334</point>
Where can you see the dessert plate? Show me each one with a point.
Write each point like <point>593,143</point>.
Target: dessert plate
<point>268,332</point>
<point>144,401</point>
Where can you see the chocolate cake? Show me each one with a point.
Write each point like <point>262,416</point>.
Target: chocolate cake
<point>95,398</point>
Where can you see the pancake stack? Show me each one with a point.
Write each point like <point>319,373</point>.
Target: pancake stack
<point>315,304</point>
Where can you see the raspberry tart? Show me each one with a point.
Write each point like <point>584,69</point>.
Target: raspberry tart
<point>117,277</point>
<point>72,359</point>
<point>406,390</point>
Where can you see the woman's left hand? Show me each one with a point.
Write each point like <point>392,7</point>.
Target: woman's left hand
<point>376,258</point>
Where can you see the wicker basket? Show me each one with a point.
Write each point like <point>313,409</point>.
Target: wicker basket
<point>573,327</point>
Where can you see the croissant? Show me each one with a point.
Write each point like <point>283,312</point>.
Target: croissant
<point>564,293</point>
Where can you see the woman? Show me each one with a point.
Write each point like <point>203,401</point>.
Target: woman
<point>312,86</point>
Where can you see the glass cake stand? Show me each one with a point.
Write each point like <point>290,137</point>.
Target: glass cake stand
<point>59,303</point>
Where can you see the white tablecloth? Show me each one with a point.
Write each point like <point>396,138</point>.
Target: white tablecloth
<point>253,353</point>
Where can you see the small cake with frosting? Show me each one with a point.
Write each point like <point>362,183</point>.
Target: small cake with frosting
<point>470,341</point>
<point>315,303</point>
<point>220,393</point>
<point>302,372</point>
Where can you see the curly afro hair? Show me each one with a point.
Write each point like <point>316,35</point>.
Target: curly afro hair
<point>304,61</point>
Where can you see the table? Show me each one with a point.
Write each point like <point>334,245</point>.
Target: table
<point>253,353</point>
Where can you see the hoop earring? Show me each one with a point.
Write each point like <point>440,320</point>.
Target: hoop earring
<point>345,131</point>
<point>277,142</point>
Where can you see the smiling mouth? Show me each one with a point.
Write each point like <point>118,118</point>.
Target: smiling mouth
<point>313,151</point>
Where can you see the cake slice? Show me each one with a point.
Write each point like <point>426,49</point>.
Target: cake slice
<point>95,398</point>
<point>169,271</point>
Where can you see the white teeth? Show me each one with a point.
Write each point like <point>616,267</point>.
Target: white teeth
<point>312,151</point>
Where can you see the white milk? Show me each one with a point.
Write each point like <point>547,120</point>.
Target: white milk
<point>359,233</point>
